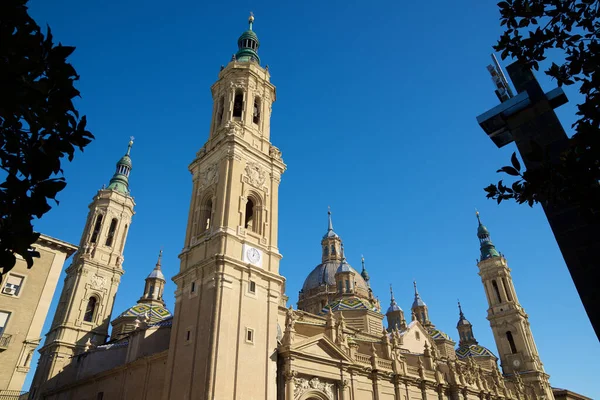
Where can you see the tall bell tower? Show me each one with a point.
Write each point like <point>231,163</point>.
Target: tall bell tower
<point>509,322</point>
<point>83,313</point>
<point>229,286</point>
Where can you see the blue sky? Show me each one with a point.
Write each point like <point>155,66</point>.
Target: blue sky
<point>375,116</point>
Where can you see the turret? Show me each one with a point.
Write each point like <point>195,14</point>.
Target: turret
<point>419,308</point>
<point>394,314</point>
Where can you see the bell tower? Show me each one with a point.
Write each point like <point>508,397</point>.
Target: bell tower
<point>83,313</point>
<point>510,325</point>
<point>229,287</point>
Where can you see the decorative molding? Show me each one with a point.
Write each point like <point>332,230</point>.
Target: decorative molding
<point>210,175</point>
<point>98,282</point>
<point>275,153</point>
<point>254,174</point>
<point>302,385</point>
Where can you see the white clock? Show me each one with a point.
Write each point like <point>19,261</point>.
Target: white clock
<point>252,255</point>
<point>516,363</point>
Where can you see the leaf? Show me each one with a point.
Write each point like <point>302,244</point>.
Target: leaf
<point>515,162</point>
<point>509,171</point>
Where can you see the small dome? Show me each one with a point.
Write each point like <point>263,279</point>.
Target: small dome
<point>156,273</point>
<point>325,274</point>
<point>344,267</point>
<point>248,35</point>
<point>392,308</point>
<point>482,230</point>
<point>330,234</point>
<point>418,302</point>
<point>125,160</point>
<point>473,350</point>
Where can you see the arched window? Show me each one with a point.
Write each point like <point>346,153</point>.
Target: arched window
<point>151,292</point>
<point>97,227</point>
<point>511,342</point>
<point>238,104</point>
<point>220,109</point>
<point>495,285</point>
<point>111,232</point>
<point>506,290</point>
<point>252,218</point>
<point>205,216</point>
<point>90,309</point>
<point>248,224</point>
<point>340,287</point>
<point>256,111</point>
<point>326,251</point>
<point>333,250</point>
<point>123,238</point>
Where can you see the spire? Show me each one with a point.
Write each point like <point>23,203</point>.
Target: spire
<point>393,305</point>
<point>330,233</point>
<point>418,301</point>
<point>248,44</point>
<point>156,272</point>
<point>120,180</point>
<point>465,329</point>
<point>488,250</point>
<point>364,272</point>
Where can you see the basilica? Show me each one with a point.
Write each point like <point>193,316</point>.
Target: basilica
<point>232,334</point>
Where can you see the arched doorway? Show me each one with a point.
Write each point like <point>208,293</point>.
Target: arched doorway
<point>314,395</point>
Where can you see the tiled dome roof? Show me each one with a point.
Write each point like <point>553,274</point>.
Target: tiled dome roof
<point>473,350</point>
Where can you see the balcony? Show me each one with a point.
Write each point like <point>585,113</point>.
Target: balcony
<point>4,341</point>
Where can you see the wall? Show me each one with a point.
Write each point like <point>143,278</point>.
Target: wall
<point>29,308</point>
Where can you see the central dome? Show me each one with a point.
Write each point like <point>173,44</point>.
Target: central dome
<point>325,274</point>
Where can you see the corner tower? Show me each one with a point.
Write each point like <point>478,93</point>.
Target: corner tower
<point>86,301</point>
<point>229,286</point>
<point>508,320</point>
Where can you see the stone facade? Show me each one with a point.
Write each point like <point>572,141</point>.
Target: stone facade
<point>231,335</point>
<point>25,296</point>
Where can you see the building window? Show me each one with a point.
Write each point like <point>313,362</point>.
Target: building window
<point>123,238</point>
<point>340,287</point>
<point>347,286</point>
<point>417,336</point>
<point>220,110</point>
<point>205,216</point>
<point>506,290</point>
<point>4,316</point>
<point>248,223</point>
<point>326,251</point>
<point>238,104</point>
<point>252,287</point>
<point>511,342</point>
<point>193,288</point>
<point>90,310</point>
<point>97,227</point>
<point>188,335</point>
<point>151,292</point>
<point>333,250</point>
<point>13,285</point>
<point>249,335</point>
<point>495,285</point>
<point>256,111</point>
<point>111,232</point>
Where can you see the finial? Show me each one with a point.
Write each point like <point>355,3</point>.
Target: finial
<point>460,310</point>
<point>415,285</point>
<point>330,227</point>
<point>362,261</point>
<point>477,214</point>
<point>251,19</point>
<point>392,293</point>
<point>159,261</point>
<point>131,138</point>
<point>343,255</point>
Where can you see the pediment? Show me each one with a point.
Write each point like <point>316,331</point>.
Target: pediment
<point>320,346</point>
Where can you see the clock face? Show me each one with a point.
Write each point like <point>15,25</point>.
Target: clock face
<point>253,255</point>
<point>516,363</point>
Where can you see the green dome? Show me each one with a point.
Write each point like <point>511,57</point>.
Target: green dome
<point>120,179</point>
<point>125,160</point>
<point>248,44</point>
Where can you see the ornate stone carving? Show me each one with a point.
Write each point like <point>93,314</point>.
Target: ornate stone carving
<point>302,385</point>
<point>275,152</point>
<point>233,128</point>
<point>98,282</point>
<point>210,175</point>
<point>254,174</point>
